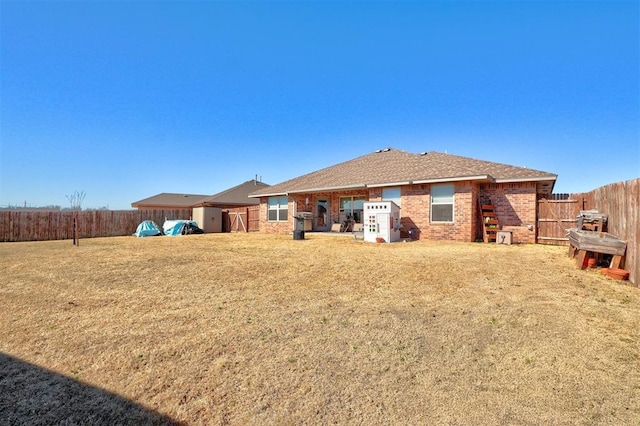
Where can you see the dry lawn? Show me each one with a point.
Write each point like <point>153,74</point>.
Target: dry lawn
<point>262,329</point>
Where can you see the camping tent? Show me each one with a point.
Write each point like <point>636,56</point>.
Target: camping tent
<point>181,227</point>
<point>147,228</point>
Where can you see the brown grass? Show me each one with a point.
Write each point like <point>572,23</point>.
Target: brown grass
<point>262,329</point>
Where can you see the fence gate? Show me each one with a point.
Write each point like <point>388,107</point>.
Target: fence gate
<point>555,216</point>
<point>238,222</point>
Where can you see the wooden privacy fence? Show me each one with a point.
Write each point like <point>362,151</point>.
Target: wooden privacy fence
<point>620,201</point>
<point>241,219</point>
<point>555,216</point>
<point>58,225</point>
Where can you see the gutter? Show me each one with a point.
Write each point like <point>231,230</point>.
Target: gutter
<point>527,179</point>
<point>456,179</point>
<point>487,178</point>
<point>305,191</point>
<point>328,188</point>
<point>382,185</point>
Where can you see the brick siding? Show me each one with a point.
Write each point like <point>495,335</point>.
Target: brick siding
<point>273,227</point>
<point>516,205</point>
<point>416,213</point>
<point>515,208</point>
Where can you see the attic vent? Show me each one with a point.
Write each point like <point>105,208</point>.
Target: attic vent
<point>378,151</point>
<point>424,153</point>
<point>386,150</point>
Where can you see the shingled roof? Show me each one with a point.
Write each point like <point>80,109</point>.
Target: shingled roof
<point>392,167</point>
<point>238,196</point>
<point>169,200</point>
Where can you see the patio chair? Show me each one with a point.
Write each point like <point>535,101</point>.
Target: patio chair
<point>358,231</point>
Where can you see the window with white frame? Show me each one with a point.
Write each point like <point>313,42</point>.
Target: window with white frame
<point>351,208</point>
<point>442,203</point>
<point>392,194</point>
<point>278,209</point>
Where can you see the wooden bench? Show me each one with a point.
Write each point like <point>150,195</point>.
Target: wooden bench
<point>583,244</point>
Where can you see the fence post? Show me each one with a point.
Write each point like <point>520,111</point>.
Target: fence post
<point>76,238</point>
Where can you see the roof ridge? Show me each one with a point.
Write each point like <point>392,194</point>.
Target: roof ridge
<point>232,188</point>
<point>390,166</point>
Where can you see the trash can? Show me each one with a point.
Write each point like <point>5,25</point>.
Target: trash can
<point>298,233</point>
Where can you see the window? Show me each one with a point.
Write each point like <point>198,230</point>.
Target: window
<point>351,208</point>
<point>278,209</point>
<point>442,203</point>
<point>392,194</point>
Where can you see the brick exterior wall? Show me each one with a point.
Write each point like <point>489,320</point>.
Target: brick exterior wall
<point>515,208</point>
<point>306,203</point>
<point>275,227</point>
<point>416,213</point>
<point>476,224</point>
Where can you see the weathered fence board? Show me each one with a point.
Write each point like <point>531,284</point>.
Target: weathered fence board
<point>254,218</point>
<point>554,218</point>
<point>620,201</point>
<point>241,219</point>
<point>43,226</point>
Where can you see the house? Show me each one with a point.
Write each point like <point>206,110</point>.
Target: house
<point>238,196</point>
<point>441,196</point>
<point>166,201</point>
<point>236,210</point>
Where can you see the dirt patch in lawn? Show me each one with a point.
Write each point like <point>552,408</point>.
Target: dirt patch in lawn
<point>262,329</point>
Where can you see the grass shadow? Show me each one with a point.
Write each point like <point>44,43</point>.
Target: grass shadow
<point>35,396</point>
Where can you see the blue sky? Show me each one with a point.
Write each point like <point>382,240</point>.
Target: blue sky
<point>127,99</point>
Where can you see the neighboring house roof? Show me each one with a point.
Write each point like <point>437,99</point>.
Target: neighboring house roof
<point>237,196</point>
<point>170,200</point>
<point>391,167</point>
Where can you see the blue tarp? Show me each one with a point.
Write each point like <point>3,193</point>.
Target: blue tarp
<point>148,228</point>
<point>180,227</point>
